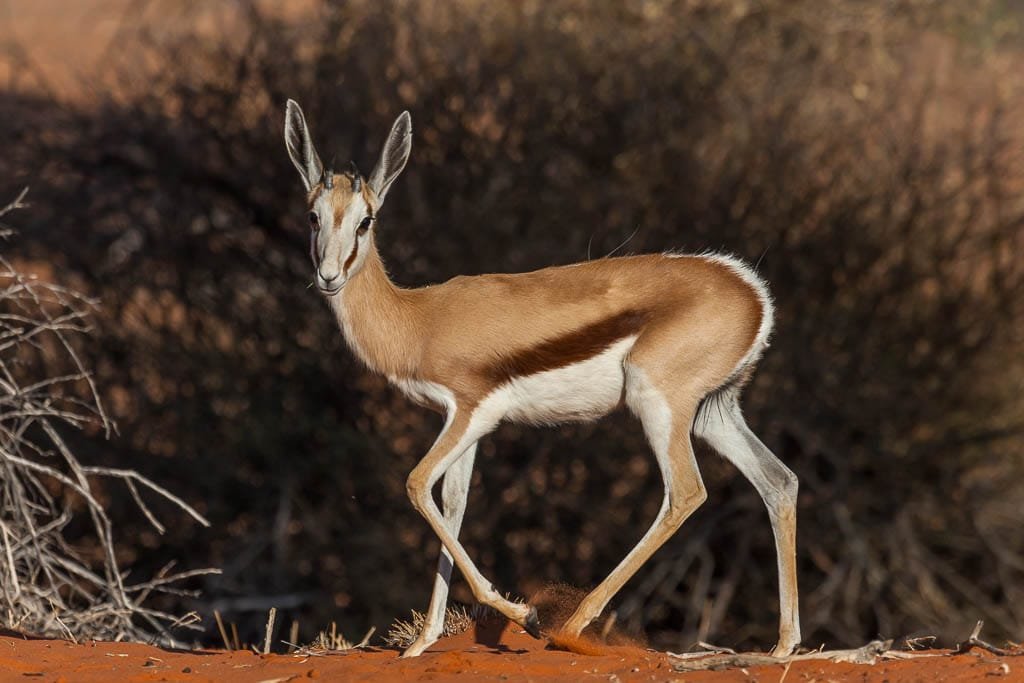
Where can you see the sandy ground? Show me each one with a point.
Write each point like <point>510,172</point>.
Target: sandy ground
<point>509,655</point>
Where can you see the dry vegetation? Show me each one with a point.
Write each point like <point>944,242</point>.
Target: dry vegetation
<point>48,587</point>
<point>868,158</point>
<point>457,619</point>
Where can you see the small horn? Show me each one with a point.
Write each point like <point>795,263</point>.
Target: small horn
<point>328,179</point>
<point>356,178</point>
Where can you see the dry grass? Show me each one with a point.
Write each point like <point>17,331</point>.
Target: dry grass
<point>334,641</point>
<point>457,619</point>
<point>49,587</point>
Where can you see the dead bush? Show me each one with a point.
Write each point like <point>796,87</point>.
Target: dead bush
<point>52,586</point>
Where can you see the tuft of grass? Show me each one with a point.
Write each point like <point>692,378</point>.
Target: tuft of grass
<point>331,640</point>
<point>457,619</point>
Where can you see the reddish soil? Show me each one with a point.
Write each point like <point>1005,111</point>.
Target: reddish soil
<point>513,655</point>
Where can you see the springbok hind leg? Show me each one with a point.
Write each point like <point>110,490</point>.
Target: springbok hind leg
<point>720,422</point>
<point>666,421</point>
<point>454,493</point>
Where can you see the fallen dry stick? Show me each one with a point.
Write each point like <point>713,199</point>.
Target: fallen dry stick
<point>975,641</point>
<point>698,661</point>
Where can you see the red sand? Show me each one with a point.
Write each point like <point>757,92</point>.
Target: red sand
<point>513,656</point>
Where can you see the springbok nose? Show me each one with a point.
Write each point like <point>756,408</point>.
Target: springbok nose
<point>327,280</point>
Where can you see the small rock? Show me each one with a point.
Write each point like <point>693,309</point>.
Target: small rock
<point>187,670</point>
<point>312,673</point>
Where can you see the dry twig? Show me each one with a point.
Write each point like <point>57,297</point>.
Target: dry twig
<point>867,654</point>
<point>270,630</point>
<point>974,640</point>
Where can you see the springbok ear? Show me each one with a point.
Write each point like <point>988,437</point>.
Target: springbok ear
<point>393,156</point>
<point>300,146</point>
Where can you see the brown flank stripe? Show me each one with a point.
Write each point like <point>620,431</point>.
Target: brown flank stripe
<point>573,347</point>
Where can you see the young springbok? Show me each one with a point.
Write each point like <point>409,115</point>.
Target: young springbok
<point>673,337</point>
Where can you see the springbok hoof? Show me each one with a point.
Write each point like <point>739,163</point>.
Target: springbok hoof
<point>532,623</point>
<point>416,649</point>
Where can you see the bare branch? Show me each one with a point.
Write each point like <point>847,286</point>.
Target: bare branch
<point>47,588</point>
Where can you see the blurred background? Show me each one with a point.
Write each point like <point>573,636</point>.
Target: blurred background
<point>867,156</point>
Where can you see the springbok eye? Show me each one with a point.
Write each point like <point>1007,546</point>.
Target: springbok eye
<point>314,220</point>
<point>364,225</point>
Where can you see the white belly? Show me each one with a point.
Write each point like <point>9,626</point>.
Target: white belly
<point>583,391</point>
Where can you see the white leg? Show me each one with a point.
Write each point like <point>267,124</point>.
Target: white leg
<point>454,492</point>
<point>721,424</point>
<point>459,434</point>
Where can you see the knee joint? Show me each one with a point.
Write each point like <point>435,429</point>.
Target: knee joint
<point>788,486</point>
<point>698,498</point>
<point>780,497</point>
<point>679,508</point>
<point>792,485</point>
<point>417,491</point>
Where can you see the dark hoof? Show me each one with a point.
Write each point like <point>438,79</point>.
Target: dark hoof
<point>532,624</point>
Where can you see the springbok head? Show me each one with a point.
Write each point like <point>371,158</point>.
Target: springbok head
<point>343,206</point>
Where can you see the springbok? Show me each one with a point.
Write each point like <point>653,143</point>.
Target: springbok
<point>673,337</point>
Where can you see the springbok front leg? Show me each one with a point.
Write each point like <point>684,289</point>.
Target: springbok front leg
<point>721,424</point>
<point>666,420</point>
<point>454,494</point>
<point>460,433</point>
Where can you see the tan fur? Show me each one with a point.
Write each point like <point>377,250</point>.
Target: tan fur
<point>462,333</point>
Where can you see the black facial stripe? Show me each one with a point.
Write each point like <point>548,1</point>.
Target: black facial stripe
<point>350,259</point>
